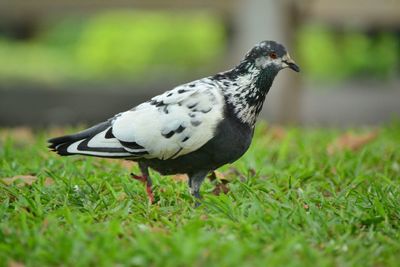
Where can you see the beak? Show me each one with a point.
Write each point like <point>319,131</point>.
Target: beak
<point>290,63</point>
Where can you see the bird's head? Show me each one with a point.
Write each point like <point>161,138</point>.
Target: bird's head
<point>246,85</point>
<point>270,55</point>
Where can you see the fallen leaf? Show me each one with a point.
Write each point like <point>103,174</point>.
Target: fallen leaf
<point>326,193</point>
<point>204,217</point>
<point>158,230</point>
<point>56,131</point>
<point>222,182</point>
<point>45,225</point>
<point>122,196</point>
<point>233,173</point>
<point>20,134</point>
<point>180,177</point>
<point>221,188</point>
<point>216,175</point>
<point>15,264</point>
<point>206,254</point>
<point>127,164</point>
<point>252,172</point>
<point>277,132</point>
<point>351,141</point>
<point>48,181</point>
<point>23,180</point>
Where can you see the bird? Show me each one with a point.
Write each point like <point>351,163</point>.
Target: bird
<point>192,129</point>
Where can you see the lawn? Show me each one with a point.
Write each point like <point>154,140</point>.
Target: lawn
<point>299,197</point>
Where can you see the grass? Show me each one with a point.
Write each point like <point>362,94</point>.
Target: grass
<point>292,204</point>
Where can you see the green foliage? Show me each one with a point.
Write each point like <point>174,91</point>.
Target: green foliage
<point>294,205</point>
<point>133,42</point>
<point>115,45</point>
<point>318,52</point>
<point>356,52</point>
<point>327,55</point>
<point>126,45</point>
<point>387,55</point>
<point>33,62</point>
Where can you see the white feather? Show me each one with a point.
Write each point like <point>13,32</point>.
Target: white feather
<point>99,140</point>
<point>147,123</point>
<point>73,148</point>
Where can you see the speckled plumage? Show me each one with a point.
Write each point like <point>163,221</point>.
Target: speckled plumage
<point>194,128</point>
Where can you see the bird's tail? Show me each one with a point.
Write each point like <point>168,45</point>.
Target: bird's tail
<point>96,141</point>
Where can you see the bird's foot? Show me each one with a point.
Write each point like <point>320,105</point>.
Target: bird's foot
<point>140,178</point>
<point>197,203</point>
<point>197,197</point>
<point>145,181</point>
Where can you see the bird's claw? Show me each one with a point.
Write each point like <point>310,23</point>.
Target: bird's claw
<point>140,178</point>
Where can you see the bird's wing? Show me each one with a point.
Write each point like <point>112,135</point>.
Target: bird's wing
<point>172,124</point>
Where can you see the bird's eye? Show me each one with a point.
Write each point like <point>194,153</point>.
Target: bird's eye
<point>273,55</point>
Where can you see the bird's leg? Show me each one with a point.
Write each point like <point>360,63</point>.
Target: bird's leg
<point>190,183</point>
<point>145,178</point>
<point>195,181</point>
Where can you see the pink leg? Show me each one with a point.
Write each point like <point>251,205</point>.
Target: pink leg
<point>147,182</point>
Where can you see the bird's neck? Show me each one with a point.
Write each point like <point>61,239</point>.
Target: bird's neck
<point>245,88</point>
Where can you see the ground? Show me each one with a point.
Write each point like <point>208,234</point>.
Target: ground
<point>299,197</point>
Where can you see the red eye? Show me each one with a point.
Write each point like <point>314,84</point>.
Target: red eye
<point>273,55</point>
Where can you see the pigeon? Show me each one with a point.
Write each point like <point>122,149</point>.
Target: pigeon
<point>193,129</point>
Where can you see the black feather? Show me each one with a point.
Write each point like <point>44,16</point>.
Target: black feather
<point>60,144</point>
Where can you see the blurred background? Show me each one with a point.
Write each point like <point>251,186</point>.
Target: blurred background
<point>68,61</point>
